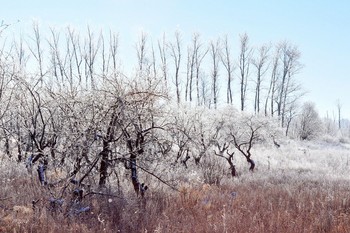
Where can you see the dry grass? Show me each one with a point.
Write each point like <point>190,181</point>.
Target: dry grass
<point>289,203</point>
<point>270,206</point>
<point>302,198</point>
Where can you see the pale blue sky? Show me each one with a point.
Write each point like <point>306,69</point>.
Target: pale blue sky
<point>320,29</point>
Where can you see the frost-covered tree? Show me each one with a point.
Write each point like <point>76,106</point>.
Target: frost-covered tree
<point>176,53</point>
<point>244,66</point>
<point>239,131</point>
<point>310,124</point>
<point>260,62</point>
<point>289,90</point>
<point>215,59</point>
<point>227,62</point>
<point>223,143</point>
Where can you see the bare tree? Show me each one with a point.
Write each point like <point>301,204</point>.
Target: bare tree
<point>37,52</point>
<point>109,137</point>
<point>309,122</point>
<point>205,89</point>
<point>229,157</point>
<point>91,49</point>
<point>247,131</point>
<point>215,53</point>
<point>57,59</point>
<point>291,114</point>
<point>181,128</point>
<point>21,54</point>
<point>194,59</point>
<point>162,47</point>
<point>199,56</point>
<point>8,94</point>
<point>208,127</point>
<point>290,56</point>
<point>244,64</point>
<point>261,64</point>
<point>153,74</point>
<point>339,106</point>
<point>141,52</point>
<point>228,64</point>
<point>113,48</point>
<point>137,122</point>
<point>77,53</point>
<point>273,84</point>
<point>189,71</point>
<point>37,116</point>
<point>175,51</point>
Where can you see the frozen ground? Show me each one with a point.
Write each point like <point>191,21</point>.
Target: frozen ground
<point>315,159</point>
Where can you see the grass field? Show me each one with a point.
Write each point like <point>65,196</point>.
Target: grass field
<point>299,187</point>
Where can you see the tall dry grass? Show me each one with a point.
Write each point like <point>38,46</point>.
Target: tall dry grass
<point>309,195</point>
<point>289,203</point>
<point>275,205</point>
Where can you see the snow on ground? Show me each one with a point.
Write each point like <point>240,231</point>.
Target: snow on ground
<point>316,158</point>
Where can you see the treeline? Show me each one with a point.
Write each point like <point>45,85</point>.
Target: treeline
<point>67,102</point>
<point>263,78</point>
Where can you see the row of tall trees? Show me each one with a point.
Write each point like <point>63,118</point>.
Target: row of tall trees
<point>263,78</point>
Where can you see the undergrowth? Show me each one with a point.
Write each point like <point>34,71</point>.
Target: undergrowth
<point>293,190</point>
<point>285,202</point>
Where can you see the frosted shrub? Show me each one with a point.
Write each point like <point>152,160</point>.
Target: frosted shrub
<point>310,125</point>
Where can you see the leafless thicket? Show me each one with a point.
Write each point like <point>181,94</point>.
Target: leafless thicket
<point>68,107</point>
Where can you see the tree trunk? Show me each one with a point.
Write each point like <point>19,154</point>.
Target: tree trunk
<point>252,164</point>
<point>104,164</point>
<point>7,147</point>
<point>134,178</point>
<point>19,156</point>
<point>233,171</point>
